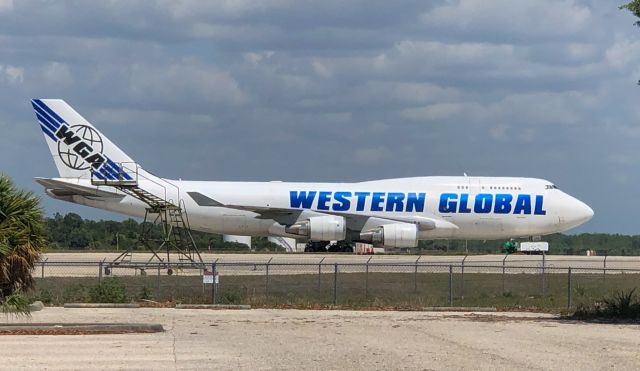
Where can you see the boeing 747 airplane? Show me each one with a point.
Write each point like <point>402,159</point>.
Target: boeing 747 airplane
<point>387,213</point>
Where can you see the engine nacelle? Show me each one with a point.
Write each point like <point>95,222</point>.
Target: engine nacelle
<point>321,228</point>
<point>392,235</point>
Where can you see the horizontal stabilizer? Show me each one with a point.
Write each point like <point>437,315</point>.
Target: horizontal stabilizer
<point>73,187</point>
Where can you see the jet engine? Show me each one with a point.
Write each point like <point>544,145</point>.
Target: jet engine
<point>392,235</point>
<point>321,228</point>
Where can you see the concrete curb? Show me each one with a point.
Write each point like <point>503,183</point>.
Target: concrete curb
<point>459,309</point>
<point>212,306</point>
<point>71,328</point>
<point>101,305</point>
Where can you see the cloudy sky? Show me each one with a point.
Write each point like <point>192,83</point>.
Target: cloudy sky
<point>337,90</point>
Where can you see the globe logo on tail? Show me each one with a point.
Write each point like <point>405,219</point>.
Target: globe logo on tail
<point>69,155</point>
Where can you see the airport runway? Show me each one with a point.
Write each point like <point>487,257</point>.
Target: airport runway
<point>325,340</point>
<point>494,259</point>
<point>86,264</point>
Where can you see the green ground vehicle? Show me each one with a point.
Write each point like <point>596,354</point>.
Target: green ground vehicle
<point>527,247</point>
<point>510,247</point>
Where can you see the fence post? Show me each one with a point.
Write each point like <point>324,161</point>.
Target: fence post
<point>544,289</point>
<point>569,289</point>
<point>214,287</point>
<point>462,278</point>
<point>320,273</point>
<point>503,271</point>
<point>100,270</point>
<point>266,282</point>
<point>604,269</point>
<point>450,285</point>
<point>158,283</point>
<point>335,284</point>
<point>415,275</point>
<point>366,278</point>
<point>42,273</point>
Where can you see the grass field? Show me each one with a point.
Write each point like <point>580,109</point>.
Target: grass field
<point>351,290</point>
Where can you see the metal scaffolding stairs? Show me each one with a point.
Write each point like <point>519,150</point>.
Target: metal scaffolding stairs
<point>176,233</point>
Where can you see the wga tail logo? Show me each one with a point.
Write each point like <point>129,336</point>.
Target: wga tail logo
<point>80,147</point>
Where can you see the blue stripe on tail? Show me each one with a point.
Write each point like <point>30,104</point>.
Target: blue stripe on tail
<point>98,175</point>
<point>106,174</point>
<point>48,132</point>
<point>112,174</point>
<point>118,170</point>
<point>46,123</point>
<point>46,117</point>
<point>48,110</point>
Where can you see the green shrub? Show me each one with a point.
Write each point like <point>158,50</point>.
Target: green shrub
<point>621,305</point>
<point>231,297</point>
<point>580,291</point>
<point>45,296</point>
<point>111,291</point>
<point>16,304</point>
<point>145,293</point>
<point>76,293</point>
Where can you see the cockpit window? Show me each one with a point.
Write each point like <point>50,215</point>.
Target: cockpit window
<point>551,186</point>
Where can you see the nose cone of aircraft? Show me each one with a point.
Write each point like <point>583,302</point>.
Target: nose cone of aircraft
<point>578,213</point>
<point>585,213</point>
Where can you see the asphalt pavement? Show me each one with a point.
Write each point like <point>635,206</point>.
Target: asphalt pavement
<point>324,340</point>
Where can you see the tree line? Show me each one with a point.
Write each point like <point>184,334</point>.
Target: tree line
<point>73,232</point>
<point>559,244</point>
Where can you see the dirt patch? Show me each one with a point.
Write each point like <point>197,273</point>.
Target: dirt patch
<point>79,329</point>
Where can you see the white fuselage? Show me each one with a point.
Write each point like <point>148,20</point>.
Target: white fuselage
<point>480,207</point>
<point>392,212</point>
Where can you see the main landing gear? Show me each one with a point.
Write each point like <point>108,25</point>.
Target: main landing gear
<point>326,246</point>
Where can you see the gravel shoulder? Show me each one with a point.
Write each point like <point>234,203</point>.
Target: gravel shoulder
<point>304,339</point>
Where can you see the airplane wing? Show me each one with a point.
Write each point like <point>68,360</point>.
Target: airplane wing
<point>66,188</point>
<point>282,216</point>
<point>354,221</point>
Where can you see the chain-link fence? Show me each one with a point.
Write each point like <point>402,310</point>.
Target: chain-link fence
<point>358,284</point>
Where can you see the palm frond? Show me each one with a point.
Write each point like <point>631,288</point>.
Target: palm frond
<point>21,237</point>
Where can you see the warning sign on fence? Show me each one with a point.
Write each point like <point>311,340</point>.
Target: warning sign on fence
<point>207,277</point>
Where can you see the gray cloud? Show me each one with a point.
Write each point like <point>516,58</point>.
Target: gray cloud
<point>336,91</point>
<point>513,21</point>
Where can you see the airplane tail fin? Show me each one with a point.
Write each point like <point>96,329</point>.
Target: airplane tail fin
<point>77,147</point>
